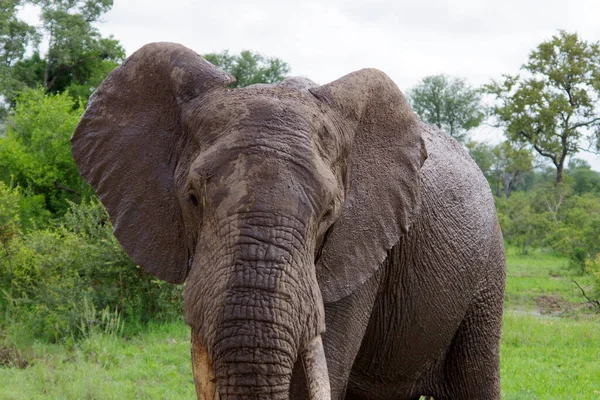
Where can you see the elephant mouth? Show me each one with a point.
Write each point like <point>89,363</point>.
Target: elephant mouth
<point>313,360</point>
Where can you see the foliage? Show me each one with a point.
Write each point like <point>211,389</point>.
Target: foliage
<point>552,216</point>
<point>53,277</point>
<point>592,267</point>
<point>78,57</point>
<point>449,103</point>
<point>35,153</point>
<point>249,67</point>
<point>9,216</point>
<point>504,165</point>
<point>521,224</point>
<point>583,179</point>
<point>554,106</point>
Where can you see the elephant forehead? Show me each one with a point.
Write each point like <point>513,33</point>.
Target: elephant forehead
<point>270,111</point>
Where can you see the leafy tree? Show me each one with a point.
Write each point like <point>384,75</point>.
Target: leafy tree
<point>503,165</point>
<point>583,179</point>
<point>15,36</point>
<point>249,67</point>
<point>78,57</point>
<point>522,225</point>
<point>9,216</point>
<point>483,155</point>
<point>35,152</point>
<point>449,103</point>
<point>554,106</point>
<point>511,163</point>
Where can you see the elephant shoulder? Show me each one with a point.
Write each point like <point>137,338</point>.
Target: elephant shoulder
<point>453,184</point>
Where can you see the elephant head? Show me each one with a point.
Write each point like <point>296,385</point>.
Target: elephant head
<point>268,200</point>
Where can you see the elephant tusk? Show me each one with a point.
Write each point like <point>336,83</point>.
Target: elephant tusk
<point>204,376</point>
<point>315,367</point>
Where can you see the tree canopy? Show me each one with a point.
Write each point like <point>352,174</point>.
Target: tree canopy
<point>35,154</point>
<point>553,107</point>
<point>448,103</point>
<point>78,57</point>
<point>249,67</point>
<point>504,164</point>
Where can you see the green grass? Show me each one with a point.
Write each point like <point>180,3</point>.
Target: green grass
<point>550,340</point>
<point>550,358</point>
<point>155,365</point>
<point>543,356</point>
<point>539,274</point>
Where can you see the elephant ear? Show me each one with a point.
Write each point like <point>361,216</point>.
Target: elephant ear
<point>129,143</point>
<point>384,184</point>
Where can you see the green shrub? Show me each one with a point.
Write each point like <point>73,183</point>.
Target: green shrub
<point>592,267</point>
<point>9,216</point>
<point>35,153</point>
<point>57,275</point>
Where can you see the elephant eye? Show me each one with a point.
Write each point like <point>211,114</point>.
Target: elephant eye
<point>191,198</point>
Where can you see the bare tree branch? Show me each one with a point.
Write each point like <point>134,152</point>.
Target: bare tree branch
<point>593,302</point>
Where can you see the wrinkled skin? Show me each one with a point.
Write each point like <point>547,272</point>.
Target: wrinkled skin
<point>304,219</point>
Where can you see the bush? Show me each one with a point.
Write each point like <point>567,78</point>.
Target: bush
<point>521,225</point>
<point>592,267</point>
<point>35,153</point>
<point>55,276</point>
<point>9,215</point>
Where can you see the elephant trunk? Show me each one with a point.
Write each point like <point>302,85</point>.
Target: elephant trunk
<point>313,360</point>
<point>269,312</point>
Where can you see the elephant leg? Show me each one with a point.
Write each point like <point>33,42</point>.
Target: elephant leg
<point>346,323</point>
<point>471,369</point>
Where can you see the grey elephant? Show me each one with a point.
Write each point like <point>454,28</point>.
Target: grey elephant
<point>333,246</point>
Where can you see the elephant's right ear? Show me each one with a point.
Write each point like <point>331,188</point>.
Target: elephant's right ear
<point>130,142</point>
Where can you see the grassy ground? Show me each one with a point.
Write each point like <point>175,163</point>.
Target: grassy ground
<point>550,340</point>
<point>155,365</point>
<point>550,349</point>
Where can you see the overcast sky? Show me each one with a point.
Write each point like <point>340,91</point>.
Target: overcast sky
<point>323,40</point>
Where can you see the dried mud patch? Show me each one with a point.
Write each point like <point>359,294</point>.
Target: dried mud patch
<point>555,305</point>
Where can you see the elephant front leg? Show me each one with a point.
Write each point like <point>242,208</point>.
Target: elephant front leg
<point>346,322</point>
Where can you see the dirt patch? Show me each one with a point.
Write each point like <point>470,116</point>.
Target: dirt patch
<point>555,305</point>
<point>550,304</point>
<point>12,359</point>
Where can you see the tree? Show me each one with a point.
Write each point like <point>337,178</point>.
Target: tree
<point>554,106</point>
<point>249,68</point>
<point>503,164</point>
<point>15,35</point>
<point>78,57</point>
<point>582,178</point>
<point>511,162</point>
<point>449,103</point>
<point>35,153</point>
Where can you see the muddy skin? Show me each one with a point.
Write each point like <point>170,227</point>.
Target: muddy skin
<point>332,245</point>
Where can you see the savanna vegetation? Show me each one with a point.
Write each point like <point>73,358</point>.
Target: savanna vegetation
<point>79,320</point>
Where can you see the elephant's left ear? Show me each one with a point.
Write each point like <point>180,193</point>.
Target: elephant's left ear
<point>386,155</point>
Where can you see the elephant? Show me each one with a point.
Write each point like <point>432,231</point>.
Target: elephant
<point>332,245</point>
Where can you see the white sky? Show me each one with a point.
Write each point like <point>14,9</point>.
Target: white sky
<point>323,40</point>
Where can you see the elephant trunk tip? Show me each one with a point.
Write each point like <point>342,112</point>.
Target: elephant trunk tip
<point>208,387</point>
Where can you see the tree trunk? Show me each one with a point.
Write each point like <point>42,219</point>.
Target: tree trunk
<point>559,173</point>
